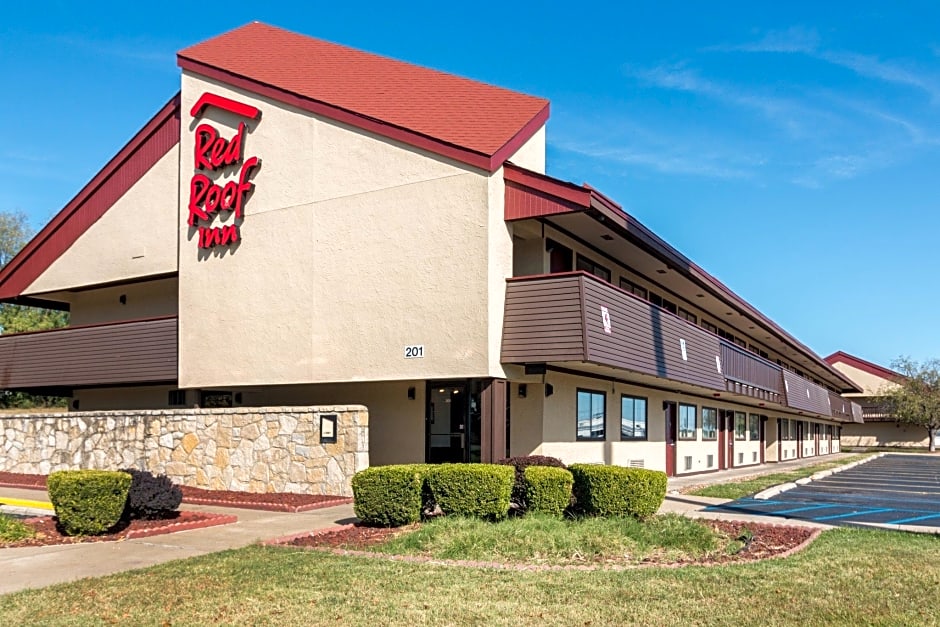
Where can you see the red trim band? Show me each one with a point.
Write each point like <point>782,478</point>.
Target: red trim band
<point>226,104</point>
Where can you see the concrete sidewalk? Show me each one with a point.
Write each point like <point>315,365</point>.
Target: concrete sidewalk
<point>35,567</point>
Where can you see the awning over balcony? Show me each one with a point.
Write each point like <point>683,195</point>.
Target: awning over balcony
<point>577,318</point>
<point>135,352</point>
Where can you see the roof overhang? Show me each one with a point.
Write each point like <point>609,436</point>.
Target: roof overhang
<point>153,141</point>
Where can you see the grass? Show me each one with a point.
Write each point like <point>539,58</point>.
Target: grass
<point>752,485</point>
<point>546,540</point>
<point>12,529</point>
<point>847,577</point>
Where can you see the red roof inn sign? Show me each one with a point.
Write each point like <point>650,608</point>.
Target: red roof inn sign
<point>214,154</point>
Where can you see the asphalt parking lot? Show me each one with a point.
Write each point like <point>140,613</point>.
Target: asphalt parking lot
<point>890,490</point>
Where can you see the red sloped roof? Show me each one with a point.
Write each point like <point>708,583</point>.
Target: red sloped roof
<point>482,122</point>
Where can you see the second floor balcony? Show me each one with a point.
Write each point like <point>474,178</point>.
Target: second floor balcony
<point>576,318</point>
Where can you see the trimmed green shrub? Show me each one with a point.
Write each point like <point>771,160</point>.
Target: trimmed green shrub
<point>388,496</point>
<point>617,491</point>
<point>151,496</point>
<point>520,463</point>
<point>88,502</point>
<point>548,490</point>
<point>474,490</point>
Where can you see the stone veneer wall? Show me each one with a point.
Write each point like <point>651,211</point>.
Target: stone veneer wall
<point>252,449</point>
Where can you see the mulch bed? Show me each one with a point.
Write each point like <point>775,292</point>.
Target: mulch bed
<point>272,502</point>
<point>766,541</point>
<point>47,531</point>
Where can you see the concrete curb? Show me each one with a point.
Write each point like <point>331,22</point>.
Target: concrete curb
<point>773,491</point>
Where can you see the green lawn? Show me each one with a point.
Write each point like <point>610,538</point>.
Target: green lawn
<point>746,487</point>
<point>546,540</point>
<point>847,577</point>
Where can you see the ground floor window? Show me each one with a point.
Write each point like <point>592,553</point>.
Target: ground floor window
<point>632,418</point>
<point>709,423</point>
<point>753,427</point>
<point>740,425</point>
<point>687,421</point>
<point>592,414</point>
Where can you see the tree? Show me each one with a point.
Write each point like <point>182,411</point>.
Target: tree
<point>14,234</point>
<point>915,399</point>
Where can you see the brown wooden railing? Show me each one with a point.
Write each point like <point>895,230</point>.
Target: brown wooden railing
<point>139,351</point>
<point>742,366</point>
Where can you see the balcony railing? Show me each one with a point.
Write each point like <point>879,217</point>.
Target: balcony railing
<point>576,317</point>
<point>139,351</point>
<point>750,374</point>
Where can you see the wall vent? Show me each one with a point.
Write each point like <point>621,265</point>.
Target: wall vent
<point>754,456</point>
<point>636,463</point>
<point>740,458</point>
<point>688,462</point>
<point>711,461</point>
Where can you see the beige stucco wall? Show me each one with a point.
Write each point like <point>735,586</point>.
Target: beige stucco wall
<point>883,434</point>
<point>532,153</point>
<point>352,248</point>
<point>870,383</point>
<point>146,299</point>
<point>136,237</point>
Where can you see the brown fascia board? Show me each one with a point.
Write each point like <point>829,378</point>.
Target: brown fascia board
<point>607,211</point>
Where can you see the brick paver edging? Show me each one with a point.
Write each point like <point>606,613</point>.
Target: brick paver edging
<point>269,507</point>
<point>284,541</point>
<point>213,520</point>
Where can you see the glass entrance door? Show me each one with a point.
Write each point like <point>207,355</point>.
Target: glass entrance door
<point>453,421</point>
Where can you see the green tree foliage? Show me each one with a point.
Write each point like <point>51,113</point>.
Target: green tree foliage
<point>915,399</point>
<point>14,234</point>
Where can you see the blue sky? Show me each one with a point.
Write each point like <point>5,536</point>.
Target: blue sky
<point>790,150</point>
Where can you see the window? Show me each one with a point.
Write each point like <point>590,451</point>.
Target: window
<point>632,418</point>
<point>784,429</point>
<point>589,266</point>
<point>559,257</point>
<point>592,414</point>
<point>633,288</point>
<point>753,427</point>
<point>687,422</point>
<point>709,423</point>
<point>212,398</point>
<point>708,326</point>
<point>691,317</point>
<point>740,425</point>
<point>668,305</point>
<point>740,342</point>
